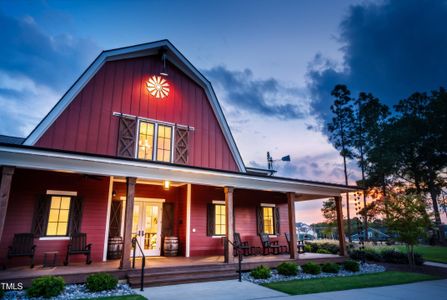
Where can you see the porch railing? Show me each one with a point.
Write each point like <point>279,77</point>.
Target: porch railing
<point>227,243</point>
<point>135,243</point>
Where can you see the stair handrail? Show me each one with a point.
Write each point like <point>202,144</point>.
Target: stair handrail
<point>135,243</point>
<point>237,247</point>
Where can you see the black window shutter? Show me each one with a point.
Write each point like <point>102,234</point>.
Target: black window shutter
<point>277,220</point>
<point>127,133</point>
<point>75,215</point>
<point>210,228</point>
<point>40,218</point>
<point>115,219</point>
<point>260,219</point>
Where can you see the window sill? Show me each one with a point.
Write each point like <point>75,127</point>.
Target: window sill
<point>54,238</point>
<point>217,236</point>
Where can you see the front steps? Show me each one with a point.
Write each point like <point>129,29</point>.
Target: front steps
<point>182,274</point>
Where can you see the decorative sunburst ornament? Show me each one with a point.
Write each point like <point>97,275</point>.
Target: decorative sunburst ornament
<point>158,87</point>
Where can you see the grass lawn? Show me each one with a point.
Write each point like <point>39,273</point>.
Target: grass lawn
<point>431,253</point>
<point>309,286</point>
<point>128,297</point>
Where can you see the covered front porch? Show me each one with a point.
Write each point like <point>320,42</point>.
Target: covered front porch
<point>130,199</point>
<point>77,272</point>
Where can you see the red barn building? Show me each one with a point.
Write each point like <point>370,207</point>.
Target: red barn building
<point>130,152</point>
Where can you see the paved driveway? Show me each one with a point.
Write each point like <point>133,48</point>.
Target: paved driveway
<point>234,290</point>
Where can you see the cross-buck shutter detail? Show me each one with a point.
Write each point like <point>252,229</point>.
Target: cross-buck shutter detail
<point>259,219</point>
<point>181,145</point>
<point>75,215</point>
<point>277,222</point>
<point>127,137</point>
<point>40,218</point>
<point>115,219</point>
<point>210,228</point>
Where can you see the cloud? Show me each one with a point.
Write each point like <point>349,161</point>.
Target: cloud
<point>266,97</point>
<point>35,69</point>
<point>390,48</point>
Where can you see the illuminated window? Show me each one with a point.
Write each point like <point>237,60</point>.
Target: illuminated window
<point>219,219</point>
<point>154,141</point>
<point>146,140</point>
<point>58,217</point>
<point>269,227</point>
<point>164,138</point>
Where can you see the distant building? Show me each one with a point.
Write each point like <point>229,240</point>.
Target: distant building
<point>373,235</point>
<point>305,232</point>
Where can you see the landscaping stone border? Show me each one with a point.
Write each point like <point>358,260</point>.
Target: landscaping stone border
<point>364,269</point>
<point>75,291</point>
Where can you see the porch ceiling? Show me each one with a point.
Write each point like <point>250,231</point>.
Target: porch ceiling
<point>44,159</point>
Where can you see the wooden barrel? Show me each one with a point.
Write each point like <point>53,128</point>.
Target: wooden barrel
<point>170,246</point>
<point>115,247</point>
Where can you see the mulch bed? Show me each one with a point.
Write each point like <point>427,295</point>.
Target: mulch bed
<point>424,269</point>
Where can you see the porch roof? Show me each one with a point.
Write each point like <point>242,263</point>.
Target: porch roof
<point>31,157</point>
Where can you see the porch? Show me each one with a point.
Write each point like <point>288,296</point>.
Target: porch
<point>157,267</point>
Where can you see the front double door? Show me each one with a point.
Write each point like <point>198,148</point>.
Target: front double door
<point>146,227</point>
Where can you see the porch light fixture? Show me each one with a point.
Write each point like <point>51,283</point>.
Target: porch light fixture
<point>158,87</point>
<point>166,184</point>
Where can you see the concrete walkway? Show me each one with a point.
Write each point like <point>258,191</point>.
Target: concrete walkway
<point>215,290</point>
<point>234,290</point>
<point>435,264</point>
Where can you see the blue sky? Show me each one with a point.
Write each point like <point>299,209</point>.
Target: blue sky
<point>272,63</point>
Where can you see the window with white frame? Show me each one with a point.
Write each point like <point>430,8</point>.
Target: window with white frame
<point>154,141</point>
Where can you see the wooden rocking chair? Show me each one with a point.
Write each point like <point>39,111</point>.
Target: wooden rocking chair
<point>299,245</point>
<point>22,245</point>
<point>243,246</point>
<point>78,245</point>
<point>267,244</point>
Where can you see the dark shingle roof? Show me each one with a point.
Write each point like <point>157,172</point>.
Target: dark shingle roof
<point>7,139</point>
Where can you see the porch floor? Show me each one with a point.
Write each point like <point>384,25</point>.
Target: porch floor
<point>76,272</point>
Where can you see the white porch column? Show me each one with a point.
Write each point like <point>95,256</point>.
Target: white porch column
<point>188,221</point>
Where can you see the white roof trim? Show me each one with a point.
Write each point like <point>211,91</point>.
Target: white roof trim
<point>174,57</point>
<point>33,158</point>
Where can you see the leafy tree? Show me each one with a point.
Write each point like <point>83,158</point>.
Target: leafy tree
<point>329,211</point>
<point>339,129</point>
<point>421,125</point>
<point>407,219</point>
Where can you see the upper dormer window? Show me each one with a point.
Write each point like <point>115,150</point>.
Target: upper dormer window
<point>154,141</point>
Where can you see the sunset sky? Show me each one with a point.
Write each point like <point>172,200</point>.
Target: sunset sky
<point>272,63</point>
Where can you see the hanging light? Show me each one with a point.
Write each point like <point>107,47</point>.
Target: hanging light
<point>164,72</point>
<point>166,184</point>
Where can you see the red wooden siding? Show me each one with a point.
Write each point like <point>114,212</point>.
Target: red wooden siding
<point>29,185</point>
<point>176,195</point>
<point>87,124</point>
<point>245,203</point>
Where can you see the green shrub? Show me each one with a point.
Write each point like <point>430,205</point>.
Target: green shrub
<point>351,265</point>
<point>323,251</point>
<point>332,248</point>
<point>330,268</point>
<point>261,272</point>
<point>101,282</point>
<point>394,256</point>
<point>2,293</point>
<point>307,248</point>
<point>311,268</point>
<point>46,287</point>
<point>287,269</point>
<point>369,254</point>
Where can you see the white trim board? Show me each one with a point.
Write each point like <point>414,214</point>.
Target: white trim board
<point>174,56</point>
<point>31,158</point>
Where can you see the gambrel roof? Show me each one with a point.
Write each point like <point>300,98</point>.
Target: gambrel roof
<point>174,56</point>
